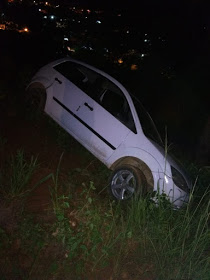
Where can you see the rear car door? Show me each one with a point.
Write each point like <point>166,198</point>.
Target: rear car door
<point>92,108</point>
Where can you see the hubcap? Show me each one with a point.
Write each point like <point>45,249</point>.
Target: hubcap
<point>123,184</point>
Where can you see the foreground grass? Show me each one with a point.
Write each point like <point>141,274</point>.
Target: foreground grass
<point>89,234</point>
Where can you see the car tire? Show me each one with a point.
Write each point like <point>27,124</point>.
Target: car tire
<point>35,102</point>
<point>127,182</point>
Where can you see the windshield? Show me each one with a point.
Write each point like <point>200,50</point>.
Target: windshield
<point>147,124</point>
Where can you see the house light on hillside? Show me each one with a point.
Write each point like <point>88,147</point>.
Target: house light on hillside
<point>70,49</point>
<point>134,67</point>
<point>2,26</point>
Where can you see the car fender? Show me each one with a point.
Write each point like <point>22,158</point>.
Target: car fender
<point>40,82</point>
<point>155,166</point>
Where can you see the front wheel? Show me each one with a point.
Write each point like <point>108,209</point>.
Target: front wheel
<point>127,182</point>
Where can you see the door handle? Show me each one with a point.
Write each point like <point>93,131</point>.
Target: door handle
<point>89,107</point>
<point>57,80</point>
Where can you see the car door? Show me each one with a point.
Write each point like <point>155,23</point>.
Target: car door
<point>66,96</point>
<point>92,108</point>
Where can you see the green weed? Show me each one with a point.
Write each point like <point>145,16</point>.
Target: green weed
<point>16,176</point>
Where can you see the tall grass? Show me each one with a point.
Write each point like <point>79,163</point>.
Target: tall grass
<point>16,176</point>
<point>95,232</point>
<point>174,242</point>
<point>177,242</point>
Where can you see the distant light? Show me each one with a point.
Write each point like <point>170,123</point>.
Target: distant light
<point>120,61</point>
<point>145,34</point>
<point>145,40</point>
<point>119,15</point>
<point>40,10</point>
<point>98,21</point>
<point>89,11</point>
<point>57,6</point>
<point>25,29</point>
<point>65,39</point>
<point>142,55</point>
<point>127,31</point>
<point>79,21</point>
<point>70,49</point>
<point>52,17</point>
<point>134,67</point>
<point>46,3</point>
<point>2,26</point>
<point>44,16</point>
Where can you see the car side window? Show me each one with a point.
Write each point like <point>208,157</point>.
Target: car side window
<point>87,80</point>
<point>70,71</point>
<point>117,105</point>
<point>99,88</point>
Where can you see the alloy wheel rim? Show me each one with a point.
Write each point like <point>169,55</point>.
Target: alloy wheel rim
<point>123,184</point>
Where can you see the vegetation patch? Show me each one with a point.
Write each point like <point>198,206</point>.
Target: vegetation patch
<point>92,236</point>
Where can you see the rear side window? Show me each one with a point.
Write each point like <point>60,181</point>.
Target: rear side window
<point>70,71</point>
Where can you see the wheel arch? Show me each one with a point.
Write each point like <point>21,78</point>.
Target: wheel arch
<point>36,85</point>
<point>139,164</point>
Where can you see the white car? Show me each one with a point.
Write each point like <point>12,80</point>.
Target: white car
<point>103,116</point>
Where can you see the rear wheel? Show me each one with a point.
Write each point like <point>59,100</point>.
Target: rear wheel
<point>127,182</point>
<point>35,102</point>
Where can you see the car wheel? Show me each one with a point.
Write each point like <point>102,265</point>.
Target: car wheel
<point>35,102</point>
<point>127,182</point>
